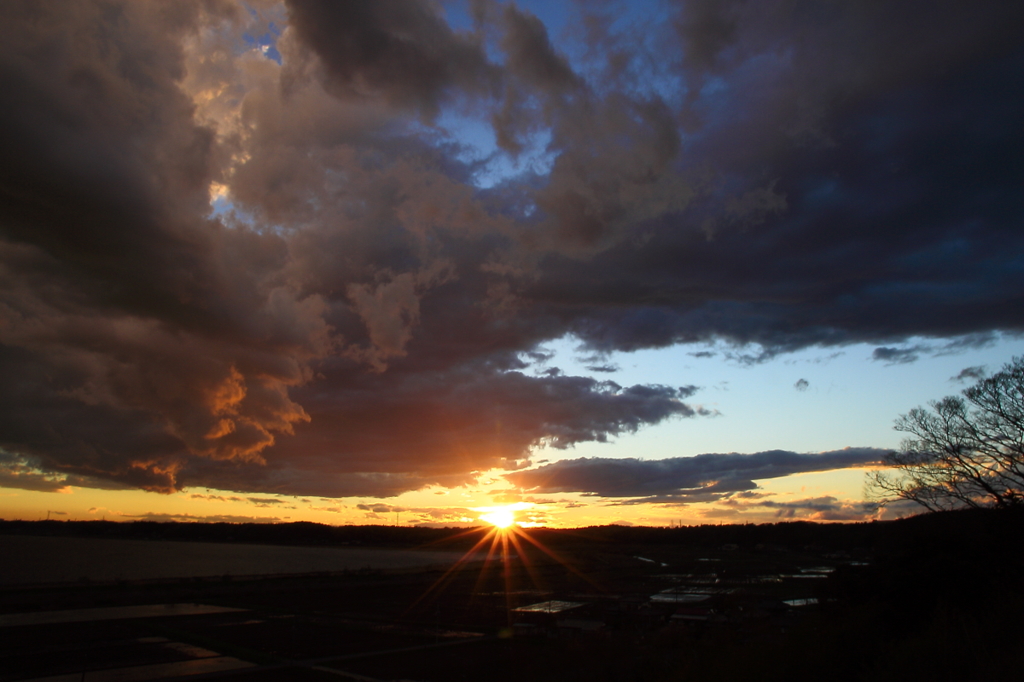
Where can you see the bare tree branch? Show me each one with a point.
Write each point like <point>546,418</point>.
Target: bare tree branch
<point>963,452</point>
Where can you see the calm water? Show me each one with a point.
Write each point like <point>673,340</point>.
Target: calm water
<point>33,560</point>
<point>109,613</point>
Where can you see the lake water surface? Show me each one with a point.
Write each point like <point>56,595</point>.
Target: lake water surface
<point>37,560</point>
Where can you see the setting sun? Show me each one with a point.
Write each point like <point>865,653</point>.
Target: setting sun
<point>502,518</point>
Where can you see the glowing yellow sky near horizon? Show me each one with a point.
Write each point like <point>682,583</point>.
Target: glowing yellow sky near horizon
<point>456,506</point>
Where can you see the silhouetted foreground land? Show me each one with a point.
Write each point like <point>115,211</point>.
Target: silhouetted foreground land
<point>934,597</point>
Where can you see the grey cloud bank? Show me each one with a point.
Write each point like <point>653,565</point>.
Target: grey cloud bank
<point>684,477</point>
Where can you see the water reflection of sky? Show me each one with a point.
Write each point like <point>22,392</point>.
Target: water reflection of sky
<point>552,606</point>
<point>40,560</point>
<point>109,613</point>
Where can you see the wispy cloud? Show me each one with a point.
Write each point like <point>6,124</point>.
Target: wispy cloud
<point>163,517</point>
<point>969,374</point>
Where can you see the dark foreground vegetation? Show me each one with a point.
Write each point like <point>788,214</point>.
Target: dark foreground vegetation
<point>935,597</point>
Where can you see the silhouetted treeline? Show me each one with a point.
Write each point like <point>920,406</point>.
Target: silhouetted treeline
<point>985,530</point>
<point>299,533</point>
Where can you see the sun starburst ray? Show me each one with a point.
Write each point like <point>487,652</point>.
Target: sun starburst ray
<point>457,567</point>
<point>531,570</point>
<point>539,545</point>
<point>495,533</point>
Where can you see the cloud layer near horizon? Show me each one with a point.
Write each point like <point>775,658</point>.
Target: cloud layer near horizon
<point>700,478</point>
<point>358,318</point>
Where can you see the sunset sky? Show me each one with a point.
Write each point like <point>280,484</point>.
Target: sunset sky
<point>405,261</point>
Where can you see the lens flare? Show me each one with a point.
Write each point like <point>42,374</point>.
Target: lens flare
<point>502,518</point>
<point>506,540</point>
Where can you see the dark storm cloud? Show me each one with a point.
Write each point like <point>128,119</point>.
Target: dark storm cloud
<point>136,332</point>
<point>879,132</point>
<point>695,477</point>
<point>358,317</point>
<point>400,50</point>
<point>531,54</point>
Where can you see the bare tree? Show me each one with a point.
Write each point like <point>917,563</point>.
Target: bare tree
<point>963,452</point>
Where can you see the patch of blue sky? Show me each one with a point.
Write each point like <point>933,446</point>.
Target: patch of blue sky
<point>233,216</point>
<point>457,15</point>
<point>813,400</point>
<point>220,206</point>
<point>266,43</point>
<point>474,135</point>
<point>271,20</point>
<point>479,148</point>
<point>628,21</point>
